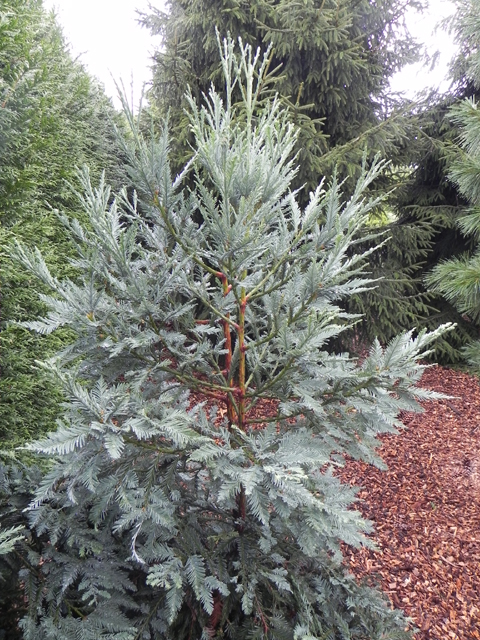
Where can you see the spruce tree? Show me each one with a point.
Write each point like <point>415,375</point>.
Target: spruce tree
<point>191,489</point>
<point>427,205</point>
<point>331,63</point>
<point>424,208</point>
<point>458,278</point>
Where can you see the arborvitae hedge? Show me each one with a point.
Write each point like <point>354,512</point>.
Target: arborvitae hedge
<point>53,117</point>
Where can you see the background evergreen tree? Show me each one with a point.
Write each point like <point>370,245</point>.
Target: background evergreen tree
<point>422,231</point>
<point>190,491</point>
<point>427,205</point>
<point>458,278</point>
<point>331,63</point>
<point>53,116</point>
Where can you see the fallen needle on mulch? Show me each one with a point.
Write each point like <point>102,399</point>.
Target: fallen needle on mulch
<point>426,512</point>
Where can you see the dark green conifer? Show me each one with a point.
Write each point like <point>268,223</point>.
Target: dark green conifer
<point>422,232</point>
<point>53,117</point>
<point>457,278</point>
<point>427,206</point>
<point>331,64</point>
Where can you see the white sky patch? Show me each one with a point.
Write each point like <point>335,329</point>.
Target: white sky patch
<point>108,40</point>
<point>425,28</point>
<point>106,36</point>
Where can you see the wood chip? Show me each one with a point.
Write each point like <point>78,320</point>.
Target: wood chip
<point>426,511</point>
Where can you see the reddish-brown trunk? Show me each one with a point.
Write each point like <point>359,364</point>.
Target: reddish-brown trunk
<point>216,615</point>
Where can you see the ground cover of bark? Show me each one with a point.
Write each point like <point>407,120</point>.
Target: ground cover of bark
<point>426,512</point>
<point>425,509</point>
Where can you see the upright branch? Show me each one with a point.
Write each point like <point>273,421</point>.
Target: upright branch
<point>242,348</point>
<point>228,354</point>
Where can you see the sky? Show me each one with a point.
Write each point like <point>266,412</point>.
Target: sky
<point>106,36</point>
<point>423,27</point>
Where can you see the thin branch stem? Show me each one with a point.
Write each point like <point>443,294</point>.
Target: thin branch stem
<point>192,254</point>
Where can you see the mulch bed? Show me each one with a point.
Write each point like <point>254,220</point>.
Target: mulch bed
<point>426,512</point>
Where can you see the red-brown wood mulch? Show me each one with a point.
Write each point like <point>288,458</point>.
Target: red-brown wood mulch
<point>426,512</point>
<point>425,509</point>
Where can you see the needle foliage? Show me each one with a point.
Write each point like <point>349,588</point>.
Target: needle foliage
<point>331,62</point>
<point>53,117</point>
<point>191,489</point>
<point>458,279</point>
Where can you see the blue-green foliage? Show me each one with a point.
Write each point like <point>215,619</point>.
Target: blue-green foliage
<point>138,522</point>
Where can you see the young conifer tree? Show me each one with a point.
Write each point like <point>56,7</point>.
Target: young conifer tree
<point>191,492</point>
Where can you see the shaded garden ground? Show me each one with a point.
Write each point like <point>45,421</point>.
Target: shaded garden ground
<point>426,512</point>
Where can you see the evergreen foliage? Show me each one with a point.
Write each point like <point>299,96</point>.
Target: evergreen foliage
<point>16,491</point>
<point>428,205</point>
<point>334,79</point>
<point>458,279</point>
<point>425,207</point>
<point>331,63</point>
<point>191,490</point>
<point>53,116</point>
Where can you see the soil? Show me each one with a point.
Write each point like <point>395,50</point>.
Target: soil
<point>426,512</point>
